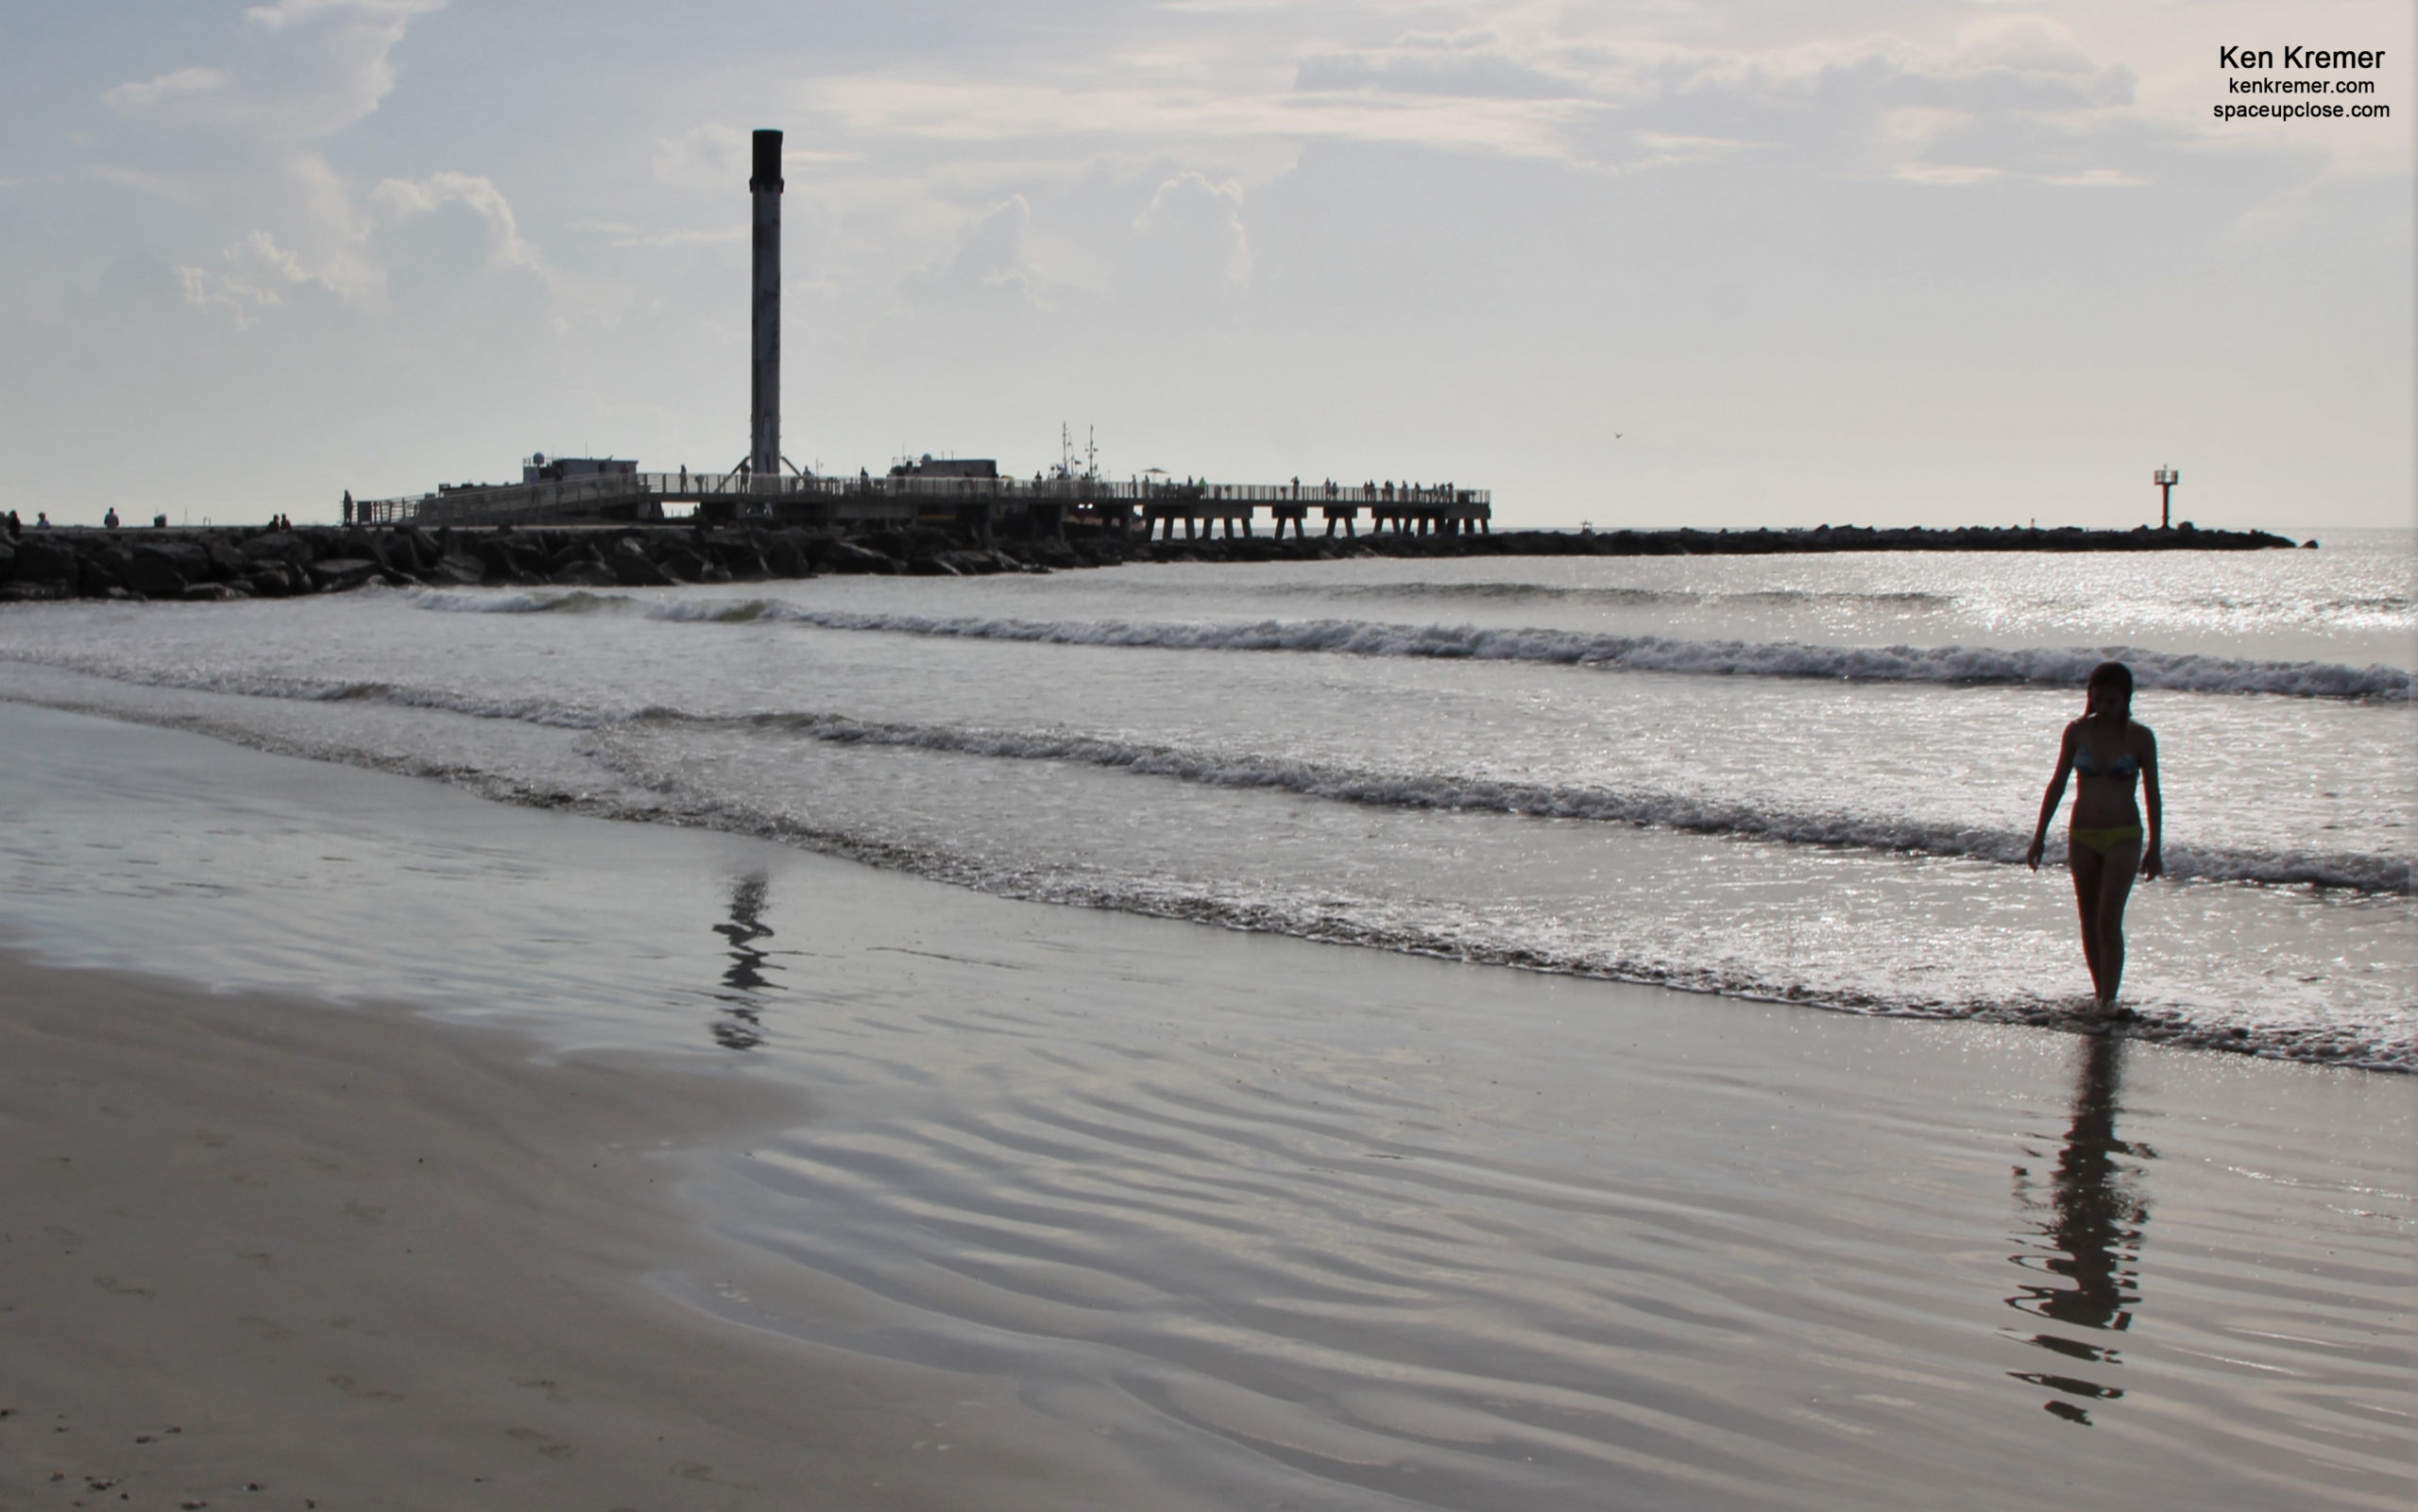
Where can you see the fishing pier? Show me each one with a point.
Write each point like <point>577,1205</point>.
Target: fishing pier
<point>967,497</point>
<point>976,505</point>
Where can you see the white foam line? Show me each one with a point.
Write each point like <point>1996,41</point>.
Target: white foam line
<point>2043,666</point>
<point>1442,791</point>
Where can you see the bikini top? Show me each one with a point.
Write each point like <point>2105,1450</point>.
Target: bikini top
<point>2125,767</point>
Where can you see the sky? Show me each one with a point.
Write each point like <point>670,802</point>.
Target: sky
<point>1733,262</point>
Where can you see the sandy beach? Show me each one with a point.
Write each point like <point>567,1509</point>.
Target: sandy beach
<point>264,1252</point>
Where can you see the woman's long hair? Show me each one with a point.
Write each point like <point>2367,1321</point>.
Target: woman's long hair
<point>2118,678</point>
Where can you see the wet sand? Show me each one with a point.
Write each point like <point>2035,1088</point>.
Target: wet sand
<point>1123,1211</point>
<point>258,1252</point>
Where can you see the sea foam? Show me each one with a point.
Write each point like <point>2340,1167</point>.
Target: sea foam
<point>2052,667</point>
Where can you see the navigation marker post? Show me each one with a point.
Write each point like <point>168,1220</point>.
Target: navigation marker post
<point>2165,478</point>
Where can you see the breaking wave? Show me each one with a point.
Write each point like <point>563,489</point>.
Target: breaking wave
<point>1644,808</point>
<point>1443,792</point>
<point>2050,667</point>
<point>653,781</point>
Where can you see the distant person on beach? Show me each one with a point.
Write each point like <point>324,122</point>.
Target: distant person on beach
<point>2106,845</point>
<point>109,521</point>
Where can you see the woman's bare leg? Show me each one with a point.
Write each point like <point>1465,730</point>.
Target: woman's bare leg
<point>2088,868</point>
<point>2118,868</point>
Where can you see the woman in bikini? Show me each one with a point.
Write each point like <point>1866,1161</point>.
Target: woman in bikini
<point>2105,845</point>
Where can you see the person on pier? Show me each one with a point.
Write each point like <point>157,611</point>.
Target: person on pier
<point>2106,845</point>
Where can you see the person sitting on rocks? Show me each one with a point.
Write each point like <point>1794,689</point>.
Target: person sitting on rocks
<point>41,519</point>
<point>16,527</point>
<point>109,521</point>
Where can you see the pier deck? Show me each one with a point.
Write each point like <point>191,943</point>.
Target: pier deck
<point>976,505</point>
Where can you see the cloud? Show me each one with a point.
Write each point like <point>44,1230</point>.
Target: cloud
<point>255,275</point>
<point>1478,71</point>
<point>402,200</point>
<point>317,67</point>
<point>242,149</point>
<point>1189,243</point>
<point>151,95</point>
<point>2025,95</point>
<point>989,265</point>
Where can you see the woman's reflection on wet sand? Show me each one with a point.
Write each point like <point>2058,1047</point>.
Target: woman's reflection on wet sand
<point>741,1025</point>
<point>2085,1241</point>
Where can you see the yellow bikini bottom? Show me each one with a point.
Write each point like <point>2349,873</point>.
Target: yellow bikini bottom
<point>2100,842</point>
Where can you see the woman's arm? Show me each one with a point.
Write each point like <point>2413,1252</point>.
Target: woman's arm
<point>2048,802</point>
<point>2152,863</point>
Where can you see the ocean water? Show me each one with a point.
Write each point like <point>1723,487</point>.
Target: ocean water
<point>1805,779</point>
<point>1379,1198</point>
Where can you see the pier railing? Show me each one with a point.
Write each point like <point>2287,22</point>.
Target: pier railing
<point>640,495</point>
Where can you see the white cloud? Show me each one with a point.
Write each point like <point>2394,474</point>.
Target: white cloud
<point>404,198</point>
<point>319,66</point>
<point>988,265</point>
<point>245,144</point>
<point>1188,241</point>
<point>150,95</point>
<point>2019,94</point>
<point>255,275</point>
<point>286,14</point>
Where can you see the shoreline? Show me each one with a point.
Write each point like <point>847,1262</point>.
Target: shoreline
<point>256,1244</point>
<point>234,562</point>
<point>1195,1216</point>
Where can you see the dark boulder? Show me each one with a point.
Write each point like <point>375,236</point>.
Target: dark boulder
<point>42,561</point>
<point>425,553</point>
<point>847,557</point>
<point>161,571</point>
<point>226,563</point>
<point>571,552</point>
<point>509,558</point>
<point>785,554</point>
<point>337,573</point>
<point>632,568</point>
<point>95,578</point>
<point>684,565</point>
<point>585,573</point>
<point>277,546</point>
<point>973,563</point>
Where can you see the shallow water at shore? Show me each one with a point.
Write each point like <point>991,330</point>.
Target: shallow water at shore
<point>1335,1228</point>
<point>1792,779</point>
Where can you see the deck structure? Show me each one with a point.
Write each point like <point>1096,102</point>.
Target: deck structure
<point>978,507</point>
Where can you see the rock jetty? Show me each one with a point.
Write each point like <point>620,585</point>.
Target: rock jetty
<point>144,564</point>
